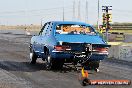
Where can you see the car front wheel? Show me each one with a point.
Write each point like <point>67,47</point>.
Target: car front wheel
<point>33,57</point>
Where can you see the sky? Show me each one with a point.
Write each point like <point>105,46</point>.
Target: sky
<point>26,12</point>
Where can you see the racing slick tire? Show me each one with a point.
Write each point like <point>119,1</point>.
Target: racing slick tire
<point>58,64</point>
<point>52,63</point>
<point>33,57</point>
<point>49,62</point>
<point>92,65</point>
<point>95,65</point>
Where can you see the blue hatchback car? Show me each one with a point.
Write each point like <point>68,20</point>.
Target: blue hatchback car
<point>62,42</point>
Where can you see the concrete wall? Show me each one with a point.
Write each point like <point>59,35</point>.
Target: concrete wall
<point>114,52</point>
<point>122,52</point>
<point>128,38</point>
<point>125,52</point>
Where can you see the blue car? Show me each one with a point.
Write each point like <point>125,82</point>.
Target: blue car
<point>62,42</point>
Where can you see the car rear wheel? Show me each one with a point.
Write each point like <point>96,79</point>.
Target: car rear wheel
<point>33,57</point>
<point>49,62</point>
<point>52,63</point>
<point>92,65</point>
<point>58,64</point>
<point>96,66</point>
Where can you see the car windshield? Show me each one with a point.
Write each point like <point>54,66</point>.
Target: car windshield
<point>74,29</point>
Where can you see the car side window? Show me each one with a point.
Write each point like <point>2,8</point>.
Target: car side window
<point>44,32</point>
<point>47,29</point>
<point>40,33</point>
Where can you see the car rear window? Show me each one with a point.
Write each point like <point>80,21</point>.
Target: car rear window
<point>74,29</point>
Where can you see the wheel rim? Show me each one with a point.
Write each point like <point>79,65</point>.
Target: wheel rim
<point>49,64</point>
<point>31,55</point>
<point>48,59</point>
<point>97,70</point>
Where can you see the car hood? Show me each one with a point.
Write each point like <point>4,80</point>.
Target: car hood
<point>94,39</point>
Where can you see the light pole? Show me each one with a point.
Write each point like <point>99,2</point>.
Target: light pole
<point>63,12</point>
<point>86,18</point>
<point>73,10</point>
<point>98,16</point>
<point>41,22</point>
<point>79,11</point>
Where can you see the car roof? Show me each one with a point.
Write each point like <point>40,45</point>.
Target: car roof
<point>70,22</point>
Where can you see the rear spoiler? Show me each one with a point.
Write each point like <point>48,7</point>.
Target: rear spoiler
<point>93,45</point>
